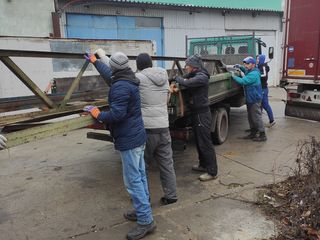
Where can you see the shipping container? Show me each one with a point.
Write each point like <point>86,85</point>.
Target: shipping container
<point>301,65</point>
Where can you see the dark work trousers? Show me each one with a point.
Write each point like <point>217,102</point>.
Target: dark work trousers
<point>201,123</point>
<point>255,117</point>
<point>158,148</point>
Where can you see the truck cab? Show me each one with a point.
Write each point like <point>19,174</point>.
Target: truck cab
<point>228,49</point>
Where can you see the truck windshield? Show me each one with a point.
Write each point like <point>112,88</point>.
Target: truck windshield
<point>229,45</point>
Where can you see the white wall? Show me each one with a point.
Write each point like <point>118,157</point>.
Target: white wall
<point>28,18</point>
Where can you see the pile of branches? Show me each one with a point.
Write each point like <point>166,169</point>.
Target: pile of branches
<point>296,201</point>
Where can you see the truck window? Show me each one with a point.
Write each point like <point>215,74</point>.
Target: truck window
<point>212,49</point>
<point>243,50</point>
<point>204,50</point>
<point>229,50</point>
<point>235,48</point>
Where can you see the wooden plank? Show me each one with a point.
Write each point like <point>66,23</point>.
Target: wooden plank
<point>27,81</point>
<point>51,129</point>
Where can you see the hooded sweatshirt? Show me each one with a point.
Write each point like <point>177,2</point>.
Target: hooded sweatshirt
<point>264,69</point>
<point>154,87</point>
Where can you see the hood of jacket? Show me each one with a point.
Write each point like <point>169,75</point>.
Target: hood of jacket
<point>157,75</point>
<point>125,74</point>
<point>262,59</point>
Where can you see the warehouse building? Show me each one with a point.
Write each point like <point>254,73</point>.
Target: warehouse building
<point>166,22</point>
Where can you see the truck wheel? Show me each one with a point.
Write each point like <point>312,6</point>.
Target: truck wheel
<point>220,134</point>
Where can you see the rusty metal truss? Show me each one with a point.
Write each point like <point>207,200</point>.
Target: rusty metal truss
<point>27,127</point>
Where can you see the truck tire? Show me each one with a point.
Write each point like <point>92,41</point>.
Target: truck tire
<point>221,131</point>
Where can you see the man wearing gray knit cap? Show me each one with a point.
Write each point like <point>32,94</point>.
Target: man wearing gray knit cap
<point>125,122</point>
<point>118,61</point>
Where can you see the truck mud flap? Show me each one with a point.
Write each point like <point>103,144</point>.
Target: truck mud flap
<point>302,112</point>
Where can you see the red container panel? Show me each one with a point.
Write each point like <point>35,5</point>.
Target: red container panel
<point>302,39</point>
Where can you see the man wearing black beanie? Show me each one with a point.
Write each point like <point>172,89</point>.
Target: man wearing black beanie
<point>154,89</point>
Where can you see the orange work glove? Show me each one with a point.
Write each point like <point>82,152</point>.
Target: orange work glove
<point>90,57</point>
<point>93,110</point>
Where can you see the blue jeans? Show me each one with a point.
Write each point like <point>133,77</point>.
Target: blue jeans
<point>135,180</point>
<point>265,104</point>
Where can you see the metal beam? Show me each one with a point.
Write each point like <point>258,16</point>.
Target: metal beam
<point>27,81</point>
<point>74,84</point>
<point>19,103</point>
<point>45,54</point>
<point>50,114</point>
<point>40,132</point>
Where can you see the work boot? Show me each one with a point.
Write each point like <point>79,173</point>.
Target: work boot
<point>130,215</point>
<point>261,138</point>
<point>167,201</point>
<point>141,231</point>
<point>250,136</point>
<point>198,168</point>
<point>207,177</point>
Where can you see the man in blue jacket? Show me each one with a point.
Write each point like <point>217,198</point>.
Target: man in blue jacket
<point>126,126</point>
<point>250,79</point>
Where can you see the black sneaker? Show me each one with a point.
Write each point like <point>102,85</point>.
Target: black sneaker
<point>250,136</point>
<point>141,231</point>
<point>167,201</point>
<point>131,215</point>
<point>198,168</point>
<point>260,138</point>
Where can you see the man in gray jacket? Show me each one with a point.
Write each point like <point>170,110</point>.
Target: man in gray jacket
<point>154,88</point>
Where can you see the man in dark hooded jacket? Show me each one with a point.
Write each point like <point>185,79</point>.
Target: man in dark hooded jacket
<point>126,126</point>
<point>197,82</point>
<point>264,70</point>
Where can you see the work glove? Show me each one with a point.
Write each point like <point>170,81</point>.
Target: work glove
<point>101,54</point>
<point>178,79</point>
<point>90,57</point>
<point>93,110</point>
<point>237,66</point>
<point>3,141</point>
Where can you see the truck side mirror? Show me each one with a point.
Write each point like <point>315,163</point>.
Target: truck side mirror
<point>271,49</point>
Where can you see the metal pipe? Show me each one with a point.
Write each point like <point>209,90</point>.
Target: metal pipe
<point>46,54</point>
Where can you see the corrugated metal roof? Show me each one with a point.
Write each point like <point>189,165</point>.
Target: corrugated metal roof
<point>261,5</point>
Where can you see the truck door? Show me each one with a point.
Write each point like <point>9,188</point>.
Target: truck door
<point>302,41</point>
